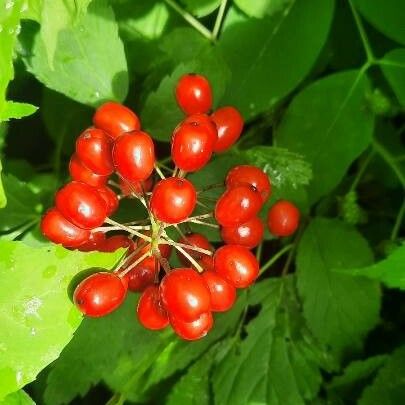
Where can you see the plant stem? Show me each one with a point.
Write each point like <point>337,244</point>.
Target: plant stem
<point>191,20</point>
<point>134,264</point>
<point>190,258</point>
<point>128,229</point>
<point>196,221</point>
<point>159,172</point>
<point>211,187</point>
<point>185,246</point>
<point>219,19</point>
<point>361,171</point>
<point>190,219</point>
<point>259,252</point>
<point>398,222</point>
<point>280,253</point>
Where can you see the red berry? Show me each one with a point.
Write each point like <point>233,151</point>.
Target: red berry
<point>173,200</point>
<point>237,265</point>
<point>249,234</point>
<point>194,330</point>
<point>223,294</point>
<point>93,148</point>
<point>81,204</point>
<point>150,311</point>
<point>283,218</point>
<point>79,172</point>
<point>128,188</point>
<point>253,175</point>
<point>193,94</point>
<point>143,275</point>
<point>134,156</point>
<point>99,294</point>
<point>110,198</point>
<point>229,125</point>
<point>116,242</point>
<point>95,241</point>
<point>207,262</point>
<point>203,120</point>
<point>116,119</point>
<point>58,229</point>
<point>185,294</point>
<point>197,240</point>
<point>237,205</point>
<point>192,146</point>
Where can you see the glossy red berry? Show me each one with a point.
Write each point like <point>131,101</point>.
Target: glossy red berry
<point>99,294</point>
<point>253,175</point>
<point>128,188</point>
<point>58,229</point>
<point>229,124</point>
<point>95,241</point>
<point>223,294</point>
<point>143,275</point>
<point>116,242</point>
<point>150,310</point>
<point>110,198</point>
<point>185,294</point>
<point>198,240</point>
<point>192,146</point>
<point>173,200</point>
<point>116,119</point>
<point>203,120</point>
<point>283,218</point>
<point>79,172</point>
<point>248,234</point>
<point>237,265</point>
<point>93,148</point>
<point>134,156</point>
<point>237,205</point>
<point>193,94</point>
<point>81,204</point>
<point>194,330</point>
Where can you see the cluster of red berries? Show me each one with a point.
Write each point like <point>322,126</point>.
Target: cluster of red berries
<point>184,297</point>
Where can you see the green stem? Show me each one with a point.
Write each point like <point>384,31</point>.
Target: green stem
<point>277,256</point>
<point>398,222</point>
<point>191,20</point>
<point>219,19</point>
<point>361,171</point>
<point>259,252</point>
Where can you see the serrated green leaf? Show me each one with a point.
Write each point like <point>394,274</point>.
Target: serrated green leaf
<point>388,387</point>
<point>35,309</point>
<point>278,361</point>
<point>200,8</point>
<point>393,67</point>
<point>84,67</point>
<point>266,69</point>
<point>262,8</point>
<point>390,271</point>
<point>16,110</point>
<point>339,309</point>
<point>384,15</point>
<point>328,123</point>
<point>17,398</point>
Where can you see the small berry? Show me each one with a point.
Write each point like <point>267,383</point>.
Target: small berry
<point>99,294</point>
<point>193,330</point>
<point>143,275</point>
<point>173,200</point>
<point>203,120</point>
<point>249,234</point>
<point>95,241</point>
<point>116,119</point>
<point>79,172</point>
<point>116,242</point>
<point>197,240</point>
<point>223,294</point>
<point>193,94</point>
<point>150,311</point>
<point>283,218</point>
<point>139,187</point>
<point>229,124</point>
<point>110,198</point>
<point>237,265</point>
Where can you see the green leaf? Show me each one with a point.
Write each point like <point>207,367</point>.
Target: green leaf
<point>85,69</point>
<point>328,123</point>
<point>200,8</point>
<point>339,309</point>
<point>388,387</point>
<point>393,67</point>
<point>17,110</point>
<point>385,15</point>
<point>279,361</point>
<point>17,398</point>
<point>262,8</point>
<point>390,271</point>
<point>266,69</point>
<point>35,309</point>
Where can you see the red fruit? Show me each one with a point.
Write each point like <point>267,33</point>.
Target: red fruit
<point>58,229</point>
<point>134,156</point>
<point>143,275</point>
<point>79,172</point>
<point>193,94</point>
<point>93,148</point>
<point>81,204</point>
<point>194,330</point>
<point>173,200</point>
<point>223,294</point>
<point>237,205</point>
<point>229,125</point>
<point>128,188</point>
<point>252,175</point>
<point>116,242</point>
<point>237,265</point>
<point>185,294</point>
<point>283,218</point>
<point>110,198</point>
<point>249,234</point>
<point>207,262</point>
<point>99,294</point>
<point>116,119</point>
<point>192,146</point>
<point>150,311</point>
<point>197,240</point>
<point>203,120</point>
<point>96,239</point>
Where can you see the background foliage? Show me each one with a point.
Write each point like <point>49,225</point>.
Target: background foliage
<point>321,84</point>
